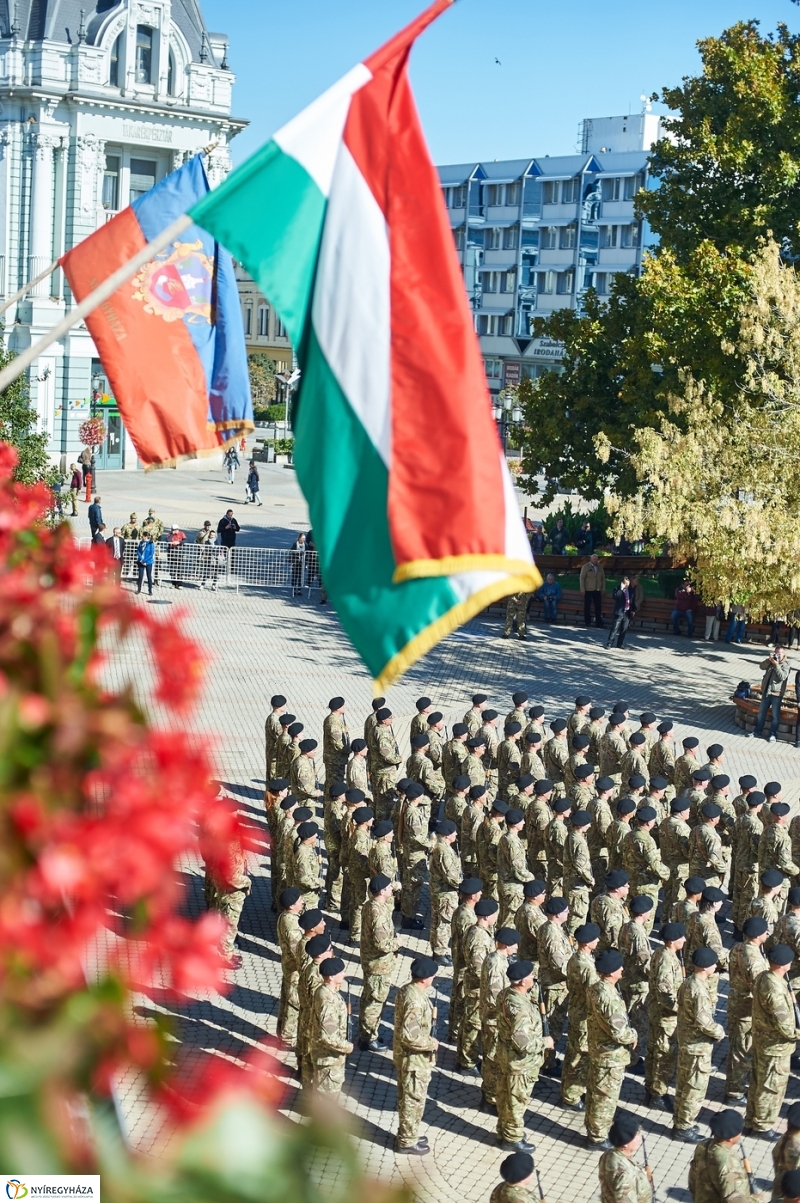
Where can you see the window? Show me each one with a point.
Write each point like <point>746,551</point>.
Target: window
<point>547,282</point>
<point>143,177</point>
<point>629,235</point>
<point>610,189</point>
<point>548,238</point>
<point>608,237</point>
<point>491,281</point>
<point>510,238</point>
<point>280,329</point>
<point>632,185</point>
<point>263,321</point>
<point>475,199</point>
<point>492,239</point>
<point>458,236</point>
<point>507,324</point>
<point>144,54</point>
<point>567,238</point>
<point>569,192</point>
<point>601,283</point>
<point>508,281</point>
<point>487,324</point>
<point>532,200</point>
<point>514,193</point>
<point>248,320</point>
<point>113,64</point>
<point>494,369</point>
<point>171,75</point>
<point>550,192</point>
<point>565,280</point>
<point>111,184</point>
<point>496,194</point>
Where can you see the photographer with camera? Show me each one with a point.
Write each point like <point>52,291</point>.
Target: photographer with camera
<point>773,686</point>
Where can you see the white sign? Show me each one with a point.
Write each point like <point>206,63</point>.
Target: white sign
<point>146,133</point>
<point>51,1186</point>
<point>546,348</point>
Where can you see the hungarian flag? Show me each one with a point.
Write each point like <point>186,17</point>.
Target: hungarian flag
<point>340,219</point>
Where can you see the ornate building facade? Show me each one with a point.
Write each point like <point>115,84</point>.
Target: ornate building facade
<point>97,104</point>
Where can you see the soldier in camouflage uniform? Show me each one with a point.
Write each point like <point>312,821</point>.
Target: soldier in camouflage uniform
<point>277,789</point>
<point>285,821</point>
<point>621,1179</point>
<point>596,730</point>
<point>665,976</point>
<point>378,951</point>
<point>685,765</point>
<point>517,615</point>
<point>384,759</point>
<point>474,767</point>
<point>303,773</point>
<point>702,931</point>
<point>305,864</point>
<point>486,842</point>
<point>643,861</point>
<point>555,756</point>
<point>661,761</point>
<point>370,726</point>
<point>286,747</point>
<point>335,813</point>
<point>328,1031</point>
<point>528,919</point>
<point>747,836</point>
<point>787,931</point>
<point>697,1034</point>
<point>415,842</point>
<point>746,963</point>
<point>555,839</point>
<point>272,733</point>
<point>316,950</point>
<point>674,833</point>
<point>707,857</point>
<point>581,974</point>
<point>509,758</point>
<point>520,1049</point>
<point>717,1173</point>
<point>634,944</point>
<point>602,818</point>
<point>555,952</point>
<point>228,888</point>
<point>356,773</point>
<point>577,762</point>
<point>445,878</point>
<point>610,1040</point>
<point>768,900</point>
<point>455,802</point>
<point>538,817</point>
<point>512,870</point>
<point>690,905</point>
<point>609,910</point>
<point>354,799</point>
<point>290,935</point>
<point>612,749</point>
<point>786,1153</point>
<point>582,789</point>
<point>488,733</point>
<point>634,762</point>
<point>358,870</point>
<point>578,721</point>
<point>335,743</point>
<point>473,720</point>
<point>131,529</point>
<point>698,794</point>
<point>532,763</point>
<point>419,722</point>
<point>578,877</point>
<point>775,1034</point>
<point>420,769</point>
<point>775,849</point>
<point>435,744</point>
<point>619,831</point>
<point>454,754</point>
<point>493,981</point>
<point>477,943</point>
<point>414,1054</point>
<point>471,823</point>
<point>469,893</point>
<point>517,715</point>
<point>381,856</point>
<point>517,1174</point>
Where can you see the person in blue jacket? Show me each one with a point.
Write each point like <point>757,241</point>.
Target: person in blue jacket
<point>145,558</point>
<point>550,595</point>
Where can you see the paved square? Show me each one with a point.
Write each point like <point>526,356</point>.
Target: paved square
<point>260,643</point>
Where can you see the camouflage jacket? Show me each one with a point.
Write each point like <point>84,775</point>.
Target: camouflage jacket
<point>303,778</point>
<point>555,952</point>
<point>509,1192</point>
<point>696,1026</point>
<point>486,841</point>
<point>555,755</point>
<point>611,752</point>
<point>643,860</point>
<point>774,1026</point>
<point>746,962</point>
<point>473,721</point>
<point>609,1034</point>
<point>494,980</point>
<point>685,765</point>
<point>622,1180</point>
<point>634,944</point>
<point>420,769</point>
<point>785,1156</point>
<point>356,776</point>
<point>662,760</point>
<point>512,867</point>
<point>474,769</point>
<point>610,914</point>
<point>289,937</point>
<point>527,921</point>
<point>384,752</point>
<point>556,838</point>
<point>445,869</point>
<point>378,939</point>
<point>335,738</point>
<point>746,839</point>
<point>673,835</point>
<point>509,757</point>
<point>476,945</point>
<point>716,1173</point>
<point>454,755</point>
<point>664,978</point>
<point>538,817</point>
<point>471,822</point>
<point>706,854</point>
<point>413,1016</point>
<point>581,974</point>
<point>577,862</point>
<point>328,1041</point>
<point>305,868</point>
<point>702,930</point>
<point>382,860</point>
<point>775,850</point>
<point>520,1044</point>
<point>463,919</point>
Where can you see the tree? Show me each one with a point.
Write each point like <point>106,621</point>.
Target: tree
<point>18,427</point>
<point>719,478</point>
<point>262,379</point>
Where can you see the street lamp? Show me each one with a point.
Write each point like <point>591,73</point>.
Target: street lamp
<point>507,412</point>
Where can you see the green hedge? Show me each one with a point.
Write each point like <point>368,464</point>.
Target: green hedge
<point>269,413</point>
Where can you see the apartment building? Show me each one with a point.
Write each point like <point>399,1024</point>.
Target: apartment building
<point>534,234</point>
<point>264,332</point>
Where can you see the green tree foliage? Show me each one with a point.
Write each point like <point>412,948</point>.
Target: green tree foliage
<point>262,379</point>
<point>18,427</point>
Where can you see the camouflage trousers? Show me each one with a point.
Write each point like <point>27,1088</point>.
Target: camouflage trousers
<point>383,791</point>
<point>373,999</point>
<point>673,889</point>
<point>345,900</point>
<point>575,1069</point>
<point>230,906</point>
<point>288,1009</point>
<point>456,1004</point>
<point>333,874</point>
<point>491,785</point>
<point>745,891</point>
<point>768,1088</point>
<point>555,880</point>
<point>413,1078</point>
<point>358,900</point>
<point>662,1054</point>
<point>578,908</point>
<point>469,1029</point>
<point>599,870</point>
<point>638,1016</point>
<point>514,1088</point>
<point>329,1078</point>
<point>511,899</point>
<point>490,889</point>
<point>740,1046</point>
<point>443,907</point>
<point>414,872</point>
<point>556,1001</point>
<point>489,1061</point>
<point>691,1084</point>
<point>516,613</point>
<point>602,1095</point>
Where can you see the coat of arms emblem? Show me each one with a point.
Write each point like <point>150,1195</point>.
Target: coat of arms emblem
<point>177,283</point>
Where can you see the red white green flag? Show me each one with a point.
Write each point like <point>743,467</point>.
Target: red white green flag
<point>340,219</point>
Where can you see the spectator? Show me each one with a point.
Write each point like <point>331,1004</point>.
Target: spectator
<point>75,487</point>
<point>558,537</point>
<point>175,555</point>
<point>622,608</point>
<point>793,619</point>
<point>624,547</point>
<point>737,624</point>
<point>314,568</point>
<point>98,537</point>
<point>210,557</point>
<point>685,606</point>
<point>537,539</point>
<point>550,595</point>
<point>637,597</point>
<point>776,626</point>
<point>297,562</point>
<point>773,687</point>
<point>231,461</point>
<point>85,459</point>
<point>227,529</point>
<point>116,548</point>
<point>251,492</point>
<point>713,614</point>
<point>95,516</point>
<point>593,582</point>
<point>584,540</point>
<point>145,558</point>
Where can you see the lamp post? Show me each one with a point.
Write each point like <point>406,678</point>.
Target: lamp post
<point>506,412</point>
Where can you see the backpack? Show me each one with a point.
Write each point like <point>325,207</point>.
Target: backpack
<point>743,690</point>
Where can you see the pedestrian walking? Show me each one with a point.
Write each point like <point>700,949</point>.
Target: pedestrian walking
<point>253,484</point>
<point>85,460</point>
<point>95,516</point>
<point>145,559</point>
<point>621,619</point>
<point>75,483</point>
<point>592,585</point>
<point>230,462</point>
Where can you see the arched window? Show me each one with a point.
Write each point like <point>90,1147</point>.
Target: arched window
<point>144,54</point>
<point>171,75</point>
<point>113,66</point>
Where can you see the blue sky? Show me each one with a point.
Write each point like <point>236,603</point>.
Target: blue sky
<point>559,62</point>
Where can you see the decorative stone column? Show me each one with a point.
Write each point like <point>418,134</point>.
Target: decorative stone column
<point>41,222</point>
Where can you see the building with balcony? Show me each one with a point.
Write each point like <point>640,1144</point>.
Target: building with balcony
<point>264,332</point>
<point>534,234</point>
<point>99,100</point>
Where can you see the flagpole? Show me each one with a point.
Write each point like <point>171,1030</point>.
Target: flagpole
<point>103,291</point>
<point>48,271</point>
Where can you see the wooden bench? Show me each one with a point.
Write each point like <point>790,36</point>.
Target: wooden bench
<point>746,713</point>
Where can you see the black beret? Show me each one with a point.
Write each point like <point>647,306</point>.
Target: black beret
<point>363,815</point>
<point>608,962</point>
<point>317,945</point>
<point>701,775</point>
<point>477,791</point>
<point>704,958</point>
<point>302,815</point>
<point>353,796</point>
<point>533,889</point>
<point>596,712</point>
<point>288,897</point>
<point>582,700</point>
<point>678,805</point>
<point>623,1129</point>
<point>306,830</point>
<point>461,782</point>
<point>379,882</point>
<point>477,741</point>
<point>499,807</point>
<point>382,714</point>
<point>581,742</point>
<point>748,781</point>
<point>519,698</point>
<point>712,894</point>
<point>556,906</point>
<point>507,936</point>
<point>647,814</point>
<point>536,712</point>
<point>533,737</point>
<point>513,817</point>
<point>587,932</point>
<point>423,703</point>
<point>471,885</point>
<point>562,805</point>
<point>638,738</point>
<point>620,707</point>
<point>637,781</point>
<point>423,967</point>
<point>583,771</point>
<point>658,783</point>
<point>478,699</point>
<point>358,745</point>
<point>288,802</point>
<point>617,878</point>
<point>771,879</point>
<point>295,729</point>
<point>307,745</point>
<point>277,785</point>
<point>616,718</point>
<point>519,971</point>
<point>755,926</point>
<point>780,809</point>
<point>558,725</point>
<point>642,904</point>
<point>580,818</point>
<point>545,786</point>
<point>714,750</point>
<point>383,828</point>
<point>525,781</point>
<point>414,790</point>
<point>626,806</point>
<point>720,781</point>
<point>790,1184</point>
<point>694,885</point>
<point>338,789</point>
<point>604,784</point>
<point>691,741</point>
<point>672,931</point>
<point>420,740</point>
<point>726,1124</point>
<point>516,1168</point>
<point>755,798</point>
<point>446,827</point>
<point>772,788</point>
<point>780,954</point>
<point>277,699</point>
<point>486,907</point>
<point>460,729</point>
<point>794,896</point>
<point>311,918</point>
<point>336,703</point>
<point>286,720</point>
<point>331,967</point>
<point>434,717</point>
<point>793,1115</point>
<point>403,784</point>
<point>665,727</point>
<point>511,728</point>
<point>647,718</point>
<point>489,716</point>
<point>710,810</point>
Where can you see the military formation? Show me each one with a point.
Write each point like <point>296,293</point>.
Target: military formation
<point>576,870</point>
